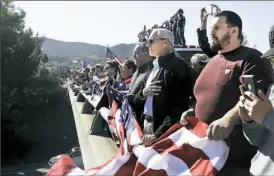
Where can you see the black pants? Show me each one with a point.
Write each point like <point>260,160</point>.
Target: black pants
<point>181,34</point>
<point>176,37</point>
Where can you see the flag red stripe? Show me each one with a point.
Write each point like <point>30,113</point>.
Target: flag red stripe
<point>141,170</point>
<point>118,60</point>
<point>63,166</point>
<point>197,161</point>
<point>161,146</point>
<point>171,130</point>
<point>128,168</point>
<point>122,134</point>
<point>197,127</point>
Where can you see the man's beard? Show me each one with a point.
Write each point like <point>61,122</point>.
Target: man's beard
<point>219,44</point>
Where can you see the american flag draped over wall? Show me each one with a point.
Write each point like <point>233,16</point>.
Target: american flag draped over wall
<point>182,150</point>
<point>96,88</point>
<point>114,98</point>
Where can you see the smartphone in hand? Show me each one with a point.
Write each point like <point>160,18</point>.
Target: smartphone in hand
<point>250,83</point>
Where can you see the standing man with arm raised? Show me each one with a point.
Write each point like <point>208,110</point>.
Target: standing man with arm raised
<point>217,88</point>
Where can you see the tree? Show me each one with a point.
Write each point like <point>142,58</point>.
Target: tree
<point>21,51</point>
<point>23,91</point>
<point>245,41</point>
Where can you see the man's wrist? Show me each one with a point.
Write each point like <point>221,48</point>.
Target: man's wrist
<point>233,116</point>
<point>203,26</point>
<point>203,23</point>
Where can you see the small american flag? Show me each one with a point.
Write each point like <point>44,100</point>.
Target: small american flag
<point>84,64</point>
<point>112,56</point>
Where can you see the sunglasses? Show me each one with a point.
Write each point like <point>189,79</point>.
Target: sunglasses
<point>151,41</point>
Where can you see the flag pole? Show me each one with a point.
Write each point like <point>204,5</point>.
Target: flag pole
<point>107,51</point>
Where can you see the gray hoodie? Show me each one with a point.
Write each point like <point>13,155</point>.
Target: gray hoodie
<point>263,137</point>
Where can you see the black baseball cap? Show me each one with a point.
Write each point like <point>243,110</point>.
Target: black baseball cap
<point>270,52</point>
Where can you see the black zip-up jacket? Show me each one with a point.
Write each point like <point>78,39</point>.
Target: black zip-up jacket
<point>178,79</point>
<point>136,83</point>
<point>138,77</point>
<point>181,23</point>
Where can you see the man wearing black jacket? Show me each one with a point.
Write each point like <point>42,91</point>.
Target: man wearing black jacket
<point>144,62</point>
<point>167,87</point>
<point>174,29</point>
<point>181,27</point>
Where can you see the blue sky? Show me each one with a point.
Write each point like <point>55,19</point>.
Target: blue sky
<point>120,21</point>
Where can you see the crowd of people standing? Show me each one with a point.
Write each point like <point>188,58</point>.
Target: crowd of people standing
<point>163,89</point>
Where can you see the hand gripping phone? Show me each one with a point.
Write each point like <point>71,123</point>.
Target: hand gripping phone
<point>250,83</point>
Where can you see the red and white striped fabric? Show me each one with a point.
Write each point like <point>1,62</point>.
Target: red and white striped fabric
<point>115,59</point>
<point>65,166</point>
<point>113,117</point>
<point>182,150</point>
<point>112,56</point>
